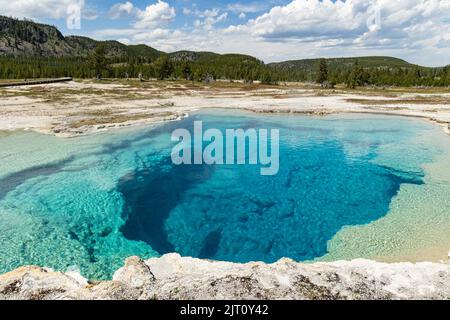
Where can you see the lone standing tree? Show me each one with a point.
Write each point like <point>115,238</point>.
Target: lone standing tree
<point>187,72</point>
<point>322,73</point>
<point>164,67</point>
<point>98,61</point>
<point>356,76</point>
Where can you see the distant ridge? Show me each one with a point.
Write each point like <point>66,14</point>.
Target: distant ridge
<point>309,65</point>
<point>25,38</point>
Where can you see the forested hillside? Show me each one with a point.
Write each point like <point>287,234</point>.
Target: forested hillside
<point>33,50</point>
<point>366,70</point>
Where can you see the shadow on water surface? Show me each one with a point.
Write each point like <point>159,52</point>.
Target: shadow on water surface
<point>12,181</point>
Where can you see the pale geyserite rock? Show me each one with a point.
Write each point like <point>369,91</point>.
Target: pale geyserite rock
<point>173,277</point>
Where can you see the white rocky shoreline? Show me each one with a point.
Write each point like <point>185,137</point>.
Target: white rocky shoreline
<point>172,277</point>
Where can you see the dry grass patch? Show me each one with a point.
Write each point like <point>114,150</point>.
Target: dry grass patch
<point>93,113</point>
<point>418,100</point>
<point>121,118</point>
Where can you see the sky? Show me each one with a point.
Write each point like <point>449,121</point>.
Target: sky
<point>272,30</point>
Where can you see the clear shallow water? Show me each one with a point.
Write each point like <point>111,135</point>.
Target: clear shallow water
<point>90,202</point>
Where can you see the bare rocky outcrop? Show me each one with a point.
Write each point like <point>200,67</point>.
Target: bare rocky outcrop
<point>25,38</point>
<point>174,277</point>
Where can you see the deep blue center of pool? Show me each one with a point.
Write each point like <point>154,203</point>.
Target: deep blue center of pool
<point>233,213</point>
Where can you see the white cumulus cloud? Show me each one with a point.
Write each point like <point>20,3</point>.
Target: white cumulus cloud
<point>209,18</point>
<point>120,9</point>
<point>382,23</point>
<point>38,9</point>
<point>155,15</point>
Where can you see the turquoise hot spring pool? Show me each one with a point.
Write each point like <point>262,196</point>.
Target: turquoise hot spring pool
<point>349,186</point>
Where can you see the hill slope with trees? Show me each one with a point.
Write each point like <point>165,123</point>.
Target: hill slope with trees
<point>34,50</point>
<point>358,71</point>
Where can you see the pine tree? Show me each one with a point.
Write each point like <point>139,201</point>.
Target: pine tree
<point>356,76</point>
<point>187,72</point>
<point>446,75</point>
<point>98,61</point>
<point>322,73</point>
<point>164,67</point>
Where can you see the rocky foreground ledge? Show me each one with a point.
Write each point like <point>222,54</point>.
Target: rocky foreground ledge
<point>173,277</point>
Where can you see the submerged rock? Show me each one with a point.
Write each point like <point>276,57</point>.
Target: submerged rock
<point>174,277</point>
